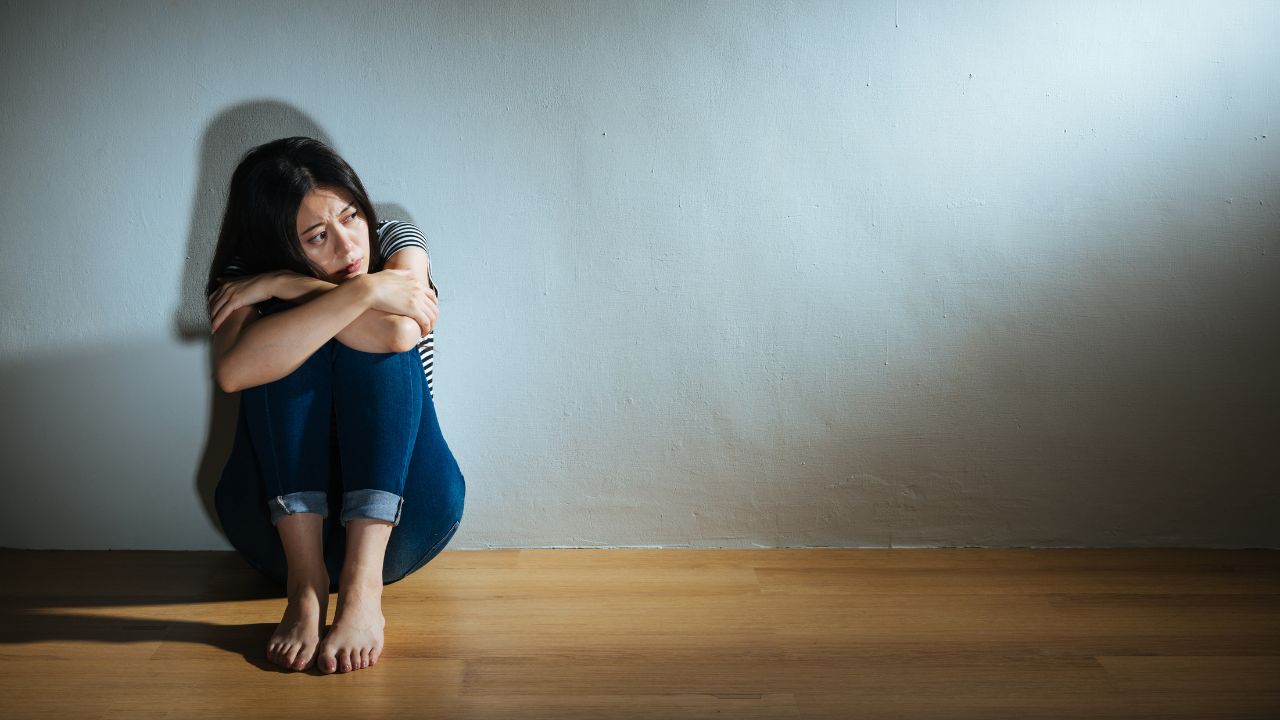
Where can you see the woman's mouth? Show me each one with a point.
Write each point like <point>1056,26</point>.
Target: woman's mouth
<point>352,269</point>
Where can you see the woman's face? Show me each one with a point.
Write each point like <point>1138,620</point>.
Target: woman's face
<point>334,233</point>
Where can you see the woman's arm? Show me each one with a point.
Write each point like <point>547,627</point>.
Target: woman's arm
<point>373,331</point>
<point>268,348</point>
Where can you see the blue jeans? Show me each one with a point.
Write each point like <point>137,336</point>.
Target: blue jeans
<point>350,430</point>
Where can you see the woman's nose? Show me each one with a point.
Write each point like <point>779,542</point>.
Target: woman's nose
<point>349,245</point>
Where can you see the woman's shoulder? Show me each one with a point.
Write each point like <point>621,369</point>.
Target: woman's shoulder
<point>396,226</point>
<point>396,234</point>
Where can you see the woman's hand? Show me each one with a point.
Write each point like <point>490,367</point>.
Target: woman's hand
<point>398,291</point>
<point>234,294</point>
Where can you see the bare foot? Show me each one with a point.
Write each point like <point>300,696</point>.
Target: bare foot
<point>355,638</point>
<point>294,642</point>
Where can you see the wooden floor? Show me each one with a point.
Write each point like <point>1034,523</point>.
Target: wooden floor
<point>768,633</point>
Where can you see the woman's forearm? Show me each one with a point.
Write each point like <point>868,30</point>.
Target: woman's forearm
<point>301,288</point>
<point>271,347</point>
<point>373,331</point>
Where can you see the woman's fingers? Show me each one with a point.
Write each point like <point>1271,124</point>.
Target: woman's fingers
<point>219,313</point>
<point>217,300</point>
<point>221,309</point>
<point>217,320</point>
<point>424,320</point>
<point>428,316</point>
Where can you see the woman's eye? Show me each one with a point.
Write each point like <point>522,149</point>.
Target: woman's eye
<point>319,237</point>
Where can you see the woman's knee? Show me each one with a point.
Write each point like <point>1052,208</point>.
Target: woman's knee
<point>341,347</point>
<point>400,372</point>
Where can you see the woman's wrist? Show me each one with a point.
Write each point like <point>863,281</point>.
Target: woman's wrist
<point>297,288</point>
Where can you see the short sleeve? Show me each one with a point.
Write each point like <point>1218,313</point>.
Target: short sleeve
<point>396,235</point>
<point>235,268</point>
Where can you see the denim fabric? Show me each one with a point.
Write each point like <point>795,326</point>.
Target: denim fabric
<point>347,429</point>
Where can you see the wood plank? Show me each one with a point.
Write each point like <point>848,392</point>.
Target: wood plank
<point>666,633</point>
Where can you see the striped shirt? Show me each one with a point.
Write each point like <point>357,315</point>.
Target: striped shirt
<point>393,236</point>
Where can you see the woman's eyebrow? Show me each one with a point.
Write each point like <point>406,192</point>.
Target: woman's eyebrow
<point>313,227</point>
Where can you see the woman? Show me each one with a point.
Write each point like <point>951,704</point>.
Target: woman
<point>325,329</point>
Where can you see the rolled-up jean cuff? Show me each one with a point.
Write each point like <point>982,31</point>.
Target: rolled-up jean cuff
<point>375,504</point>
<point>312,501</point>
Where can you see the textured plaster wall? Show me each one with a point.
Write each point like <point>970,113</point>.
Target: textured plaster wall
<point>711,273</point>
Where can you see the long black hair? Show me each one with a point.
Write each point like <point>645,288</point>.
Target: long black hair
<point>260,225</point>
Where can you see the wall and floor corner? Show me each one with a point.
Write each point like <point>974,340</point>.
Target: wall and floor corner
<point>712,274</point>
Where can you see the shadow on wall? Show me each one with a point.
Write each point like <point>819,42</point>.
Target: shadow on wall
<point>226,140</point>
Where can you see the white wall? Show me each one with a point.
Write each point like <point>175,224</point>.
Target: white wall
<point>712,274</point>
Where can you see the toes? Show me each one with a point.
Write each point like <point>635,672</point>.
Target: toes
<point>373,655</point>
<point>364,658</point>
<point>327,662</point>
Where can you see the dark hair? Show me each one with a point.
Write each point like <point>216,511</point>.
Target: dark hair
<point>260,225</point>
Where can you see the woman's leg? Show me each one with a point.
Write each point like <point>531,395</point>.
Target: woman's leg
<point>377,401</point>
<point>376,397</point>
<point>245,514</point>
<point>287,421</point>
<point>388,470</point>
<point>283,553</point>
